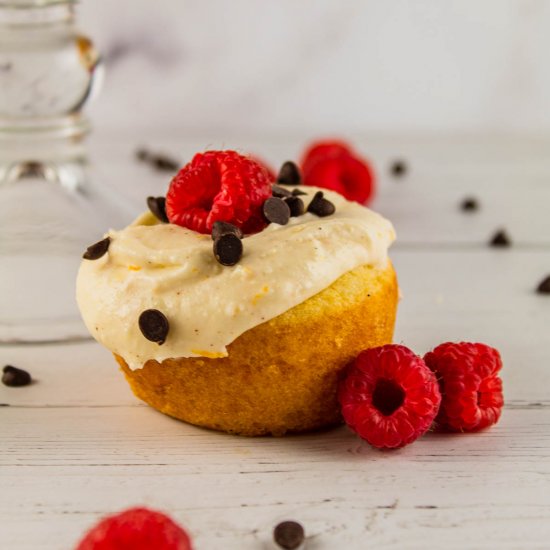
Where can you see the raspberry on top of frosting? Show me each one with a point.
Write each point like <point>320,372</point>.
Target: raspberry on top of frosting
<point>219,186</point>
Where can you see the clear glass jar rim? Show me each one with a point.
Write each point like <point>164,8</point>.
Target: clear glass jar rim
<point>22,4</point>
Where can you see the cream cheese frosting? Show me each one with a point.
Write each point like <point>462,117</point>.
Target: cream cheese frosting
<point>151,265</point>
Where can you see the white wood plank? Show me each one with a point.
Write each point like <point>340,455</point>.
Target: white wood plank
<point>70,375</point>
<point>60,471</point>
<point>428,213</point>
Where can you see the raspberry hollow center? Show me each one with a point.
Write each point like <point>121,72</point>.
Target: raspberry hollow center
<point>387,396</point>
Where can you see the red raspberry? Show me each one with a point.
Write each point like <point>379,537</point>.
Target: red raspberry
<point>136,529</point>
<point>389,396</point>
<point>470,387</point>
<point>266,166</point>
<point>219,186</point>
<point>333,165</point>
<point>349,176</point>
<point>324,150</point>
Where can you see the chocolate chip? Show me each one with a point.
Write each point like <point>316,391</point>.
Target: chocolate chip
<point>225,228</point>
<point>97,250</point>
<point>143,154</point>
<point>544,286</point>
<point>158,161</point>
<point>296,205</point>
<point>289,174</point>
<point>165,164</point>
<point>500,239</point>
<point>398,168</point>
<point>32,170</point>
<point>154,325</point>
<point>280,192</point>
<point>289,535</point>
<point>228,249</point>
<point>276,211</point>
<point>15,377</point>
<point>469,204</point>
<point>297,192</point>
<point>320,206</point>
<point>157,205</point>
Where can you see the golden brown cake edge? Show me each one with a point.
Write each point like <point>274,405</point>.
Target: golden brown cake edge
<point>280,376</point>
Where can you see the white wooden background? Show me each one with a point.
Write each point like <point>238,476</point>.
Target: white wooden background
<point>327,65</point>
<point>77,445</point>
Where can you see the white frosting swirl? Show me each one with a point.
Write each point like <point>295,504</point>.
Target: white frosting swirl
<point>151,265</point>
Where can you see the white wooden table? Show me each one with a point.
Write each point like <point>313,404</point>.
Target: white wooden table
<point>77,445</point>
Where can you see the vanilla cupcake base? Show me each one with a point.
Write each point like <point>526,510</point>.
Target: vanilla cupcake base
<point>280,376</point>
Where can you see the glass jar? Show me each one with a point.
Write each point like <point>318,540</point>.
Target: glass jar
<point>48,71</point>
<point>50,210</point>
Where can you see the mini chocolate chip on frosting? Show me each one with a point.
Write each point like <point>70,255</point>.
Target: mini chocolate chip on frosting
<point>97,250</point>
<point>280,192</point>
<point>276,210</point>
<point>157,205</point>
<point>154,326</point>
<point>296,205</point>
<point>223,228</point>
<point>320,206</point>
<point>289,174</point>
<point>228,249</point>
<point>173,269</point>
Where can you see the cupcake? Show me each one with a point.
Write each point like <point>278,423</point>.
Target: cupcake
<point>234,304</point>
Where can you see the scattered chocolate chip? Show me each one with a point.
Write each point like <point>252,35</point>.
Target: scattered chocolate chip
<point>225,228</point>
<point>158,161</point>
<point>296,205</point>
<point>280,192</point>
<point>228,249</point>
<point>97,250</point>
<point>289,535</point>
<point>154,325</point>
<point>15,377</point>
<point>297,192</point>
<point>289,174</point>
<point>165,164</point>
<point>142,154</point>
<point>276,210</point>
<point>32,169</point>
<point>500,239</point>
<point>469,204</point>
<point>398,168</point>
<point>157,205</point>
<point>320,206</point>
<point>544,286</point>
